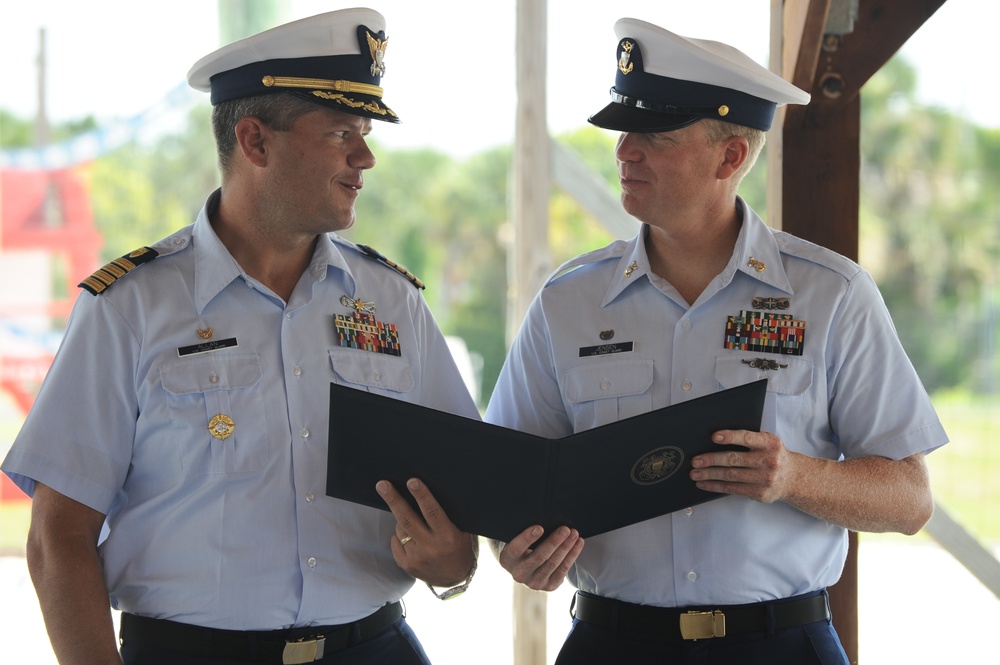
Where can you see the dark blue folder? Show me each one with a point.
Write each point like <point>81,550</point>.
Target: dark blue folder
<point>496,482</point>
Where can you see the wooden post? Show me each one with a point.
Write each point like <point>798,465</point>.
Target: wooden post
<point>528,261</point>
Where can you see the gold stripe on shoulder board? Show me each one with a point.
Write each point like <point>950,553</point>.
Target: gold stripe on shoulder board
<point>381,258</point>
<point>109,274</point>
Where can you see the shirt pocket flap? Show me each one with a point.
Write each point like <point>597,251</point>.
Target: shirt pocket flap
<point>793,375</point>
<point>211,373</point>
<point>373,370</point>
<point>619,378</point>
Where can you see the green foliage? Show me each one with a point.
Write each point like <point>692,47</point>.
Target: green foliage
<point>929,230</point>
<point>19,133</point>
<point>141,193</point>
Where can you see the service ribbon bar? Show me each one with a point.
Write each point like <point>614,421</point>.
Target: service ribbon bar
<point>361,331</point>
<point>765,332</point>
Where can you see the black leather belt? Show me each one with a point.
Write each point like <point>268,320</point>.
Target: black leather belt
<point>291,646</point>
<point>696,623</point>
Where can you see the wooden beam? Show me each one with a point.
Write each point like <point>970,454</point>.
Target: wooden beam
<point>846,62</point>
<point>528,259</point>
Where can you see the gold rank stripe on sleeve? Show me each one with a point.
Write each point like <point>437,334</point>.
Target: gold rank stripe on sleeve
<point>109,274</point>
<point>381,258</point>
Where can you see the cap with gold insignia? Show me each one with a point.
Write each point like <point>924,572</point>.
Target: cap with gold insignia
<point>665,81</point>
<point>335,59</point>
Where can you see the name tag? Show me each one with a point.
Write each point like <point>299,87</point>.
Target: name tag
<point>605,349</point>
<point>206,347</point>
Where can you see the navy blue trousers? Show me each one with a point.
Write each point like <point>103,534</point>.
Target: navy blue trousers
<point>397,645</point>
<point>809,644</point>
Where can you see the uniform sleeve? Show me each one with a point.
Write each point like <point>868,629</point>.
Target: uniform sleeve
<point>78,436</point>
<point>878,405</point>
<point>527,395</point>
<point>442,386</point>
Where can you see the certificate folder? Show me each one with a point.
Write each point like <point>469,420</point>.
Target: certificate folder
<point>496,482</point>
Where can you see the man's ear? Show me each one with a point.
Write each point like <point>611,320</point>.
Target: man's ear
<point>251,133</point>
<point>736,151</point>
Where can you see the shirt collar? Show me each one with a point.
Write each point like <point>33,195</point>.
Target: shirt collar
<point>632,267</point>
<point>214,267</point>
<point>757,254</point>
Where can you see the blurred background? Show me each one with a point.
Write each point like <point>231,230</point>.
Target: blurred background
<point>103,148</point>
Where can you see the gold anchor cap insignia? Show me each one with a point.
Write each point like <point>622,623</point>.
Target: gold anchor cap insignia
<point>221,426</point>
<point>623,61</point>
<point>631,269</point>
<point>759,266</point>
<point>206,333</point>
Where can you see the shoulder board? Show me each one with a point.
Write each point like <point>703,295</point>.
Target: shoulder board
<point>613,251</point>
<point>109,274</point>
<point>371,253</point>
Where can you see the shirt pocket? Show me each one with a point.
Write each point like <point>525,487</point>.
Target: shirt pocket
<point>217,407</point>
<point>609,391</point>
<point>786,387</point>
<point>374,372</point>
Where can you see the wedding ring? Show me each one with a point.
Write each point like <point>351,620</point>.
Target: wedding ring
<point>404,540</point>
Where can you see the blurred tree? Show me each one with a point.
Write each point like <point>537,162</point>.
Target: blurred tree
<point>929,228</point>
<point>142,193</point>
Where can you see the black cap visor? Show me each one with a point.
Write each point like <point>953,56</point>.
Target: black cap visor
<point>625,118</point>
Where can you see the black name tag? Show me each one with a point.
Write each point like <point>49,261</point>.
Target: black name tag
<point>605,349</point>
<point>205,347</point>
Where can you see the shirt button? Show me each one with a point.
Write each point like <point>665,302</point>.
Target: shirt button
<point>692,576</point>
<point>297,371</point>
<point>288,315</point>
<point>689,511</point>
<point>213,377</point>
<point>686,385</point>
<point>178,242</point>
<point>605,384</point>
<point>304,433</point>
<point>311,561</point>
<point>377,375</point>
<point>686,325</point>
<point>310,497</point>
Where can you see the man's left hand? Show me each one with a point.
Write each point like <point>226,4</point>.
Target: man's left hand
<point>765,471</point>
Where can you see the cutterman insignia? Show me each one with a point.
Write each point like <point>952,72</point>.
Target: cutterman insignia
<point>770,303</point>
<point>109,274</point>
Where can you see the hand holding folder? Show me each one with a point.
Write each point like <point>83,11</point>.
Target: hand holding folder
<point>496,482</point>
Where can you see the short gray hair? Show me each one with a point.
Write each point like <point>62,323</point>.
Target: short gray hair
<point>279,111</point>
<point>720,130</point>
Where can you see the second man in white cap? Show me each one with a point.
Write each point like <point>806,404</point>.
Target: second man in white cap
<point>707,297</point>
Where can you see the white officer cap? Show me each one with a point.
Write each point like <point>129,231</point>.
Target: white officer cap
<point>665,81</point>
<point>335,59</point>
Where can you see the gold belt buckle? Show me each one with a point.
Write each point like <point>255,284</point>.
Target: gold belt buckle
<point>303,651</point>
<point>703,625</point>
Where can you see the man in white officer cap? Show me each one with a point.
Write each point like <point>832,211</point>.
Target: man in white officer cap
<point>706,297</point>
<point>177,451</point>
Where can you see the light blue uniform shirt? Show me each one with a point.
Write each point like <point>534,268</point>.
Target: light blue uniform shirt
<point>607,339</point>
<point>238,532</point>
